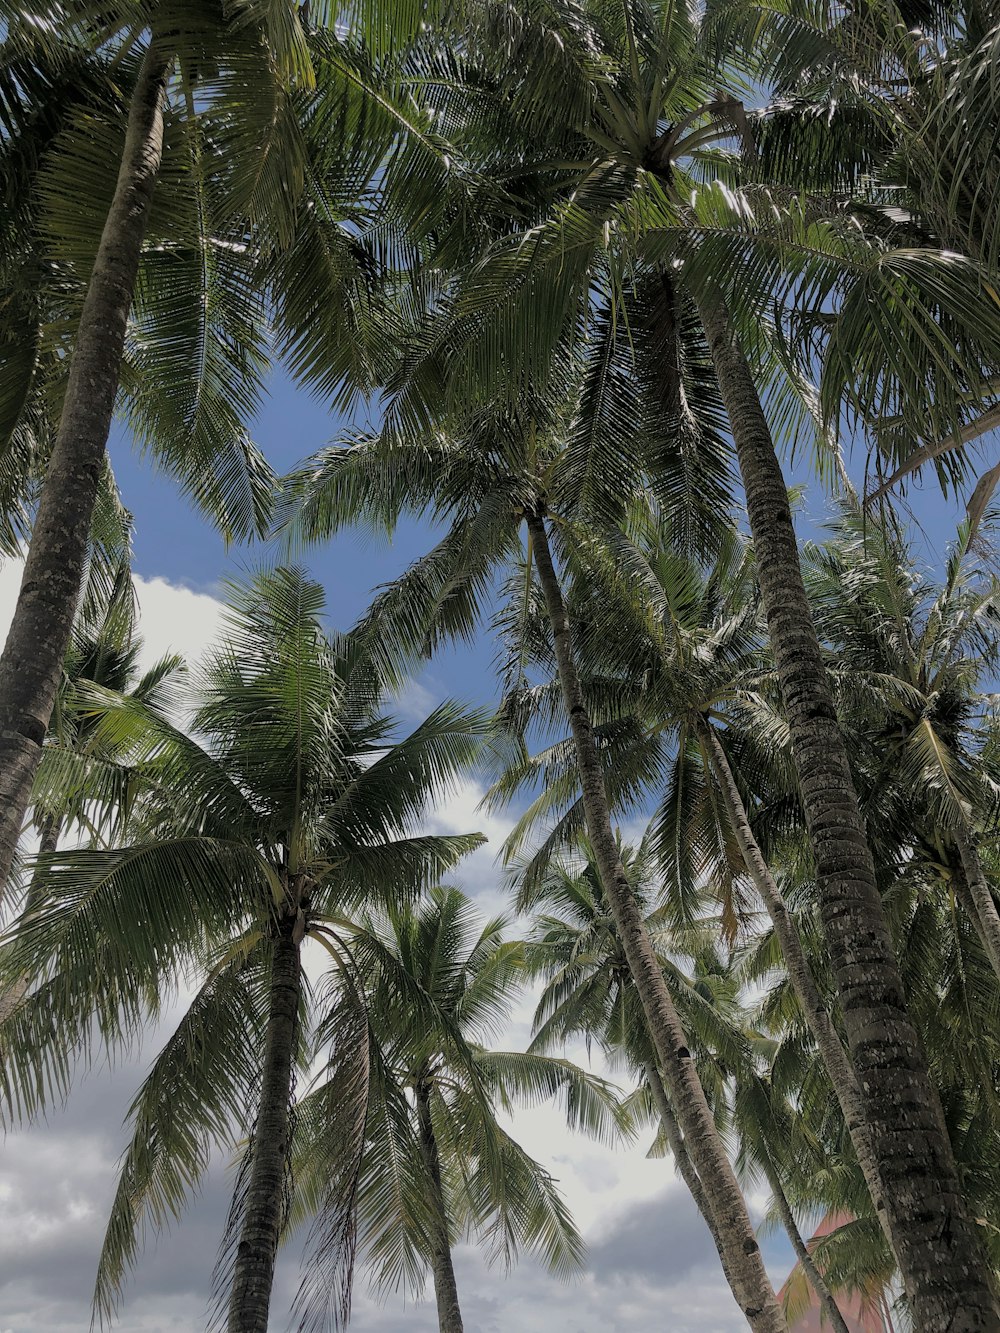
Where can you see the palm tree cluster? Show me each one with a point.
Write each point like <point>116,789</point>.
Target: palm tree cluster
<point>594,269</point>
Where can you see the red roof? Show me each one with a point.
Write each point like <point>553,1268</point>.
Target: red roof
<point>860,1310</point>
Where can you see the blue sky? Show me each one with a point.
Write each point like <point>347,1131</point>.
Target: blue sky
<point>650,1256</point>
<point>174,541</point>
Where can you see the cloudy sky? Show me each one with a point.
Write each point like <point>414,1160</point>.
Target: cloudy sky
<point>650,1264</point>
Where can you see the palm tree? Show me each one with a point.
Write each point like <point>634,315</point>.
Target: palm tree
<point>670,651</point>
<point>488,472</point>
<point>910,661</point>
<point>589,995</point>
<point>438,982</point>
<point>43,620</point>
<point>243,126</point>
<point>294,806</point>
<point>103,655</point>
<point>635,134</point>
<point>898,107</point>
<point>103,658</point>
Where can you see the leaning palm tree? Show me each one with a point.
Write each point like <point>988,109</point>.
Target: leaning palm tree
<point>493,472</point>
<point>199,210</point>
<point>673,655</point>
<point>589,993</point>
<point>634,194</point>
<point>911,662</point>
<point>293,806</point>
<point>439,982</point>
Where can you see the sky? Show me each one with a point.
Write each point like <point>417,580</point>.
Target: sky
<point>650,1260</point>
<point>650,1265</point>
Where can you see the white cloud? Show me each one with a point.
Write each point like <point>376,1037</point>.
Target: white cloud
<point>56,1179</point>
<point>172,618</point>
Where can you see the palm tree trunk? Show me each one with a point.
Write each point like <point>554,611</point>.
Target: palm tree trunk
<point>816,1279</point>
<point>886,1315</point>
<point>48,843</point>
<point>943,1271</point>
<point>53,573</point>
<point>985,915</point>
<point>682,1159</point>
<point>745,1266</point>
<point>828,1043</point>
<point>264,1206</point>
<point>445,1286</point>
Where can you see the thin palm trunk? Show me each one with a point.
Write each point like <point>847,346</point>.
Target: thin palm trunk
<point>986,919</point>
<point>828,1043</point>
<point>744,1263</point>
<point>442,1266</point>
<point>47,845</point>
<point>682,1159</point>
<point>39,634</point>
<point>944,1273</point>
<point>815,1278</point>
<point>264,1204</point>
<point>886,1314</point>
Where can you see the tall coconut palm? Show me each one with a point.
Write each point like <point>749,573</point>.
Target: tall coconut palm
<point>589,995</point>
<point>439,982</point>
<point>911,661</point>
<point>673,655</point>
<point>294,805</point>
<point>204,212</point>
<point>635,138</point>
<point>489,471</point>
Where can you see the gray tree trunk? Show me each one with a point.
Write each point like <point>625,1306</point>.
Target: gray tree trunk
<point>816,1279</point>
<point>264,1206</point>
<point>48,843</point>
<point>53,573</point>
<point>828,1043</point>
<point>944,1272</point>
<point>986,919</point>
<point>744,1263</point>
<point>442,1266</point>
<point>682,1159</point>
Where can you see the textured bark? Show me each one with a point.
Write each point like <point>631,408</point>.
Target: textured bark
<point>253,1273</point>
<point>682,1160</point>
<point>828,1043</point>
<point>53,573</point>
<point>445,1286</point>
<point>986,919</point>
<point>744,1264</point>
<point>816,1279</point>
<point>48,843</point>
<point>944,1273</point>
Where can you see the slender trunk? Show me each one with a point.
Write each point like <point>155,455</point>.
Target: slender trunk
<point>745,1266</point>
<point>886,1315</point>
<point>682,1159</point>
<point>945,1276</point>
<point>985,916</point>
<point>53,573</point>
<point>445,1286</point>
<point>48,843</point>
<point>253,1274</point>
<point>816,1279</point>
<point>831,1050</point>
